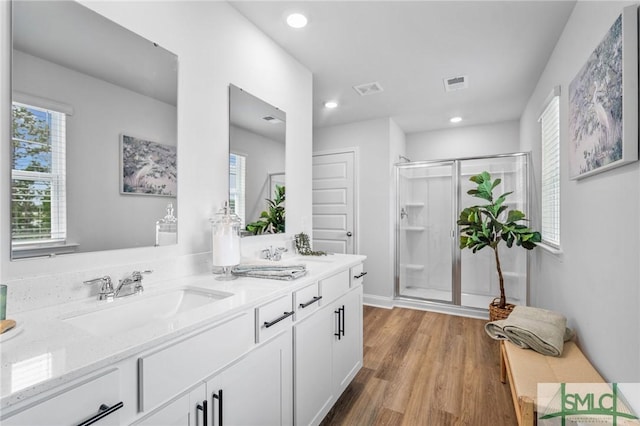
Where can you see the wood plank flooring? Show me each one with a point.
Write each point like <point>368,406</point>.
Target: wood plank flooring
<point>424,368</point>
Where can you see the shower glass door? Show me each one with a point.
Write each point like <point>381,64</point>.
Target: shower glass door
<point>430,267</point>
<point>425,231</point>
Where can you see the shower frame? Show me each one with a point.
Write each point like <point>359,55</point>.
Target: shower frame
<point>456,253</point>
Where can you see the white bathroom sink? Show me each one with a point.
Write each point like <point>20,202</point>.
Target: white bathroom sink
<point>128,313</point>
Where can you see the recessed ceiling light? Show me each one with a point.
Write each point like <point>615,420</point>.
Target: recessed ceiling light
<point>331,104</point>
<point>297,20</point>
<point>455,119</point>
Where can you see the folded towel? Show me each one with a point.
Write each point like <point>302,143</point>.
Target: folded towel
<point>272,275</point>
<point>272,271</point>
<point>542,330</point>
<point>246,267</point>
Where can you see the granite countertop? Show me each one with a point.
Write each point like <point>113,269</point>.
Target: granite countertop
<point>44,351</point>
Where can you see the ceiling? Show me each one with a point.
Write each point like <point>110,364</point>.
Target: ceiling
<point>409,48</point>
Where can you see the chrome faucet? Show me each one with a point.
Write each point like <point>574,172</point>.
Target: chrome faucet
<point>133,282</point>
<point>106,287</point>
<point>273,254</point>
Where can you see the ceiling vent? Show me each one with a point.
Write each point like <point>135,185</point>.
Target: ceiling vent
<point>368,88</point>
<point>456,83</point>
<point>272,120</point>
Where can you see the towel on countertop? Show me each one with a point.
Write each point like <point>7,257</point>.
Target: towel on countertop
<point>268,271</point>
<point>539,329</point>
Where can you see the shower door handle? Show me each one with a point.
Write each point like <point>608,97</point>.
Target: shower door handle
<point>349,233</point>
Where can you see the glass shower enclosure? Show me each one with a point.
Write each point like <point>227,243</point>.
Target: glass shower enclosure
<point>430,267</point>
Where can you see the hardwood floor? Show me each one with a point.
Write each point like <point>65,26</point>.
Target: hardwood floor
<point>424,368</point>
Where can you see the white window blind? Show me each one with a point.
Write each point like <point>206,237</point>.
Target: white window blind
<point>237,193</point>
<point>550,199</point>
<point>38,175</point>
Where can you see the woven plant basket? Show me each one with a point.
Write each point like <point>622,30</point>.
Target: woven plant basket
<point>497,313</point>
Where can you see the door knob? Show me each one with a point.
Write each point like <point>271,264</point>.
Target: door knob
<point>349,234</point>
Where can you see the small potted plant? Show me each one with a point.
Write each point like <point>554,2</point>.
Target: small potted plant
<point>490,224</point>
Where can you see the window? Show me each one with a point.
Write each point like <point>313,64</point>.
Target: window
<point>38,199</point>
<point>237,194</point>
<point>550,199</point>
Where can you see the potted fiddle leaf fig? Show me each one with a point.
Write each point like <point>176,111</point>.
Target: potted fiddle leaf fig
<point>488,225</point>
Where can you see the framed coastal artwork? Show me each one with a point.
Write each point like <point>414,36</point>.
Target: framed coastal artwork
<point>603,102</point>
<point>147,167</point>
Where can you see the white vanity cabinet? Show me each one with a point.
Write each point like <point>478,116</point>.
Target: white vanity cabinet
<point>283,359</point>
<point>96,400</point>
<point>187,410</point>
<point>347,349</point>
<point>170,370</point>
<point>327,348</point>
<point>250,385</point>
<point>257,390</point>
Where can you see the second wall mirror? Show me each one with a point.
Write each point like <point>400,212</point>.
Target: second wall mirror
<point>257,147</point>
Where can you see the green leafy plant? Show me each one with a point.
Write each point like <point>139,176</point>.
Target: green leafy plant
<point>303,246</point>
<point>271,221</point>
<point>490,224</point>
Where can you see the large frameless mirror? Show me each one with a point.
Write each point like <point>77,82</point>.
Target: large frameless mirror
<point>256,163</point>
<point>94,134</point>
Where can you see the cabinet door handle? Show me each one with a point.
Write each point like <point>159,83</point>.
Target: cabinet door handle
<point>343,321</point>
<point>362,274</point>
<point>103,411</point>
<point>337,312</point>
<point>218,396</point>
<point>203,408</point>
<point>286,315</point>
<point>310,302</point>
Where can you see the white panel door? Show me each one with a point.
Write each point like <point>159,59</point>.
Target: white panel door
<point>333,202</point>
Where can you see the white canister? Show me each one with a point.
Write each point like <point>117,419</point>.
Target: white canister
<point>225,238</point>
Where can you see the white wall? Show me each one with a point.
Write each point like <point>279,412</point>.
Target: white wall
<point>215,46</point>
<point>375,141</point>
<point>471,141</point>
<point>98,215</point>
<point>594,282</point>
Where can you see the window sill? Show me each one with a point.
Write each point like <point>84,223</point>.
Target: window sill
<point>551,250</point>
<point>42,250</point>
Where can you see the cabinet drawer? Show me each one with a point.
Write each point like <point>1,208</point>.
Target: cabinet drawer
<point>273,317</point>
<point>335,286</point>
<point>357,275</point>
<point>169,371</point>
<point>76,404</point>
<point>306,300</point>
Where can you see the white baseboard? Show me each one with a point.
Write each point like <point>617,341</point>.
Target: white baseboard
<point>390,303</point>
<point>378,301</point>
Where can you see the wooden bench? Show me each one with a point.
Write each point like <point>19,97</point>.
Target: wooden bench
<point>526,368</point>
